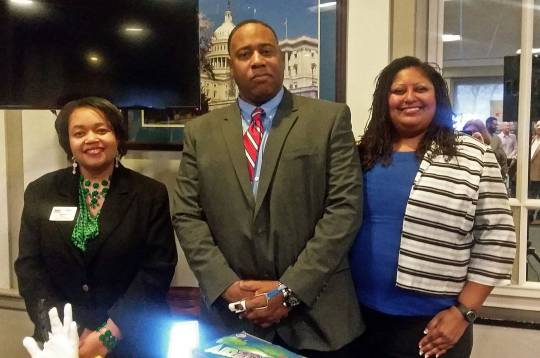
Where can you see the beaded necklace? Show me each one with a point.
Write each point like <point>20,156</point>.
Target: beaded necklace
<point>87,225</point>
<point>95,194</point>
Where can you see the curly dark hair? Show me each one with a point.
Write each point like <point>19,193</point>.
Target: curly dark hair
<point>377,142</point>
<point>112,114</point>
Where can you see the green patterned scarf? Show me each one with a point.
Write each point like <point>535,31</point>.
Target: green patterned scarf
<point>87,226</point>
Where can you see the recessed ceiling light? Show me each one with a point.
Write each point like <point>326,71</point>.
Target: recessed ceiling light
<point>93,58</point>
<point>451,37</point>
<point>133,29</point>
<point>22,2</point>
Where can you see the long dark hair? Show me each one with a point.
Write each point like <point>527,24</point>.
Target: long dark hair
<point>377,142</point>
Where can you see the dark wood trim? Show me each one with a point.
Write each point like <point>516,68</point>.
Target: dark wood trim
<point>184,302</point>
<point>173,147</point>
<point>508,323</point>
<point>341,50</point>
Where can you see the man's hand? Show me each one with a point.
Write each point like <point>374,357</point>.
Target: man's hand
<point>63,339</point>
<point>235,293</point>
<point>259,311</point>
<point>443,332</point>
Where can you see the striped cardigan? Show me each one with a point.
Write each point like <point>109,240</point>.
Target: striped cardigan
<point>458,225</point>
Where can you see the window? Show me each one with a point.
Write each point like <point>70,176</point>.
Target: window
<point>482,61</point>
<point>477,98</point>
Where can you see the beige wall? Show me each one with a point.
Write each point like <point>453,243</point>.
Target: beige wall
<point>368,46</point>
<point>4,242</point>
<point>39,153</point>
<point>403,27</point>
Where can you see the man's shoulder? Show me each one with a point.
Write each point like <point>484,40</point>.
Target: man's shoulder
<point>210,118</point>
<point>317,103</point>
<point>495,138</point>
<point>510,135</point>
<point>323,110</point>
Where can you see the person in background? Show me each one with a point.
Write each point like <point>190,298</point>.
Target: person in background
<point>268,201</point>
<point>534,167</point>
<point>495,141</point>
<point>479,131</point>
<point>509,140</point>
<point>99,236</point>
<point>437,231</point>
<point>509,144</point>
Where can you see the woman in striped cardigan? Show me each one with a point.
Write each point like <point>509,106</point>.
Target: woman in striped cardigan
<point>437,231</point>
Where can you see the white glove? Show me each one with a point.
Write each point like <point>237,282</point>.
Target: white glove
<point>63,339</point>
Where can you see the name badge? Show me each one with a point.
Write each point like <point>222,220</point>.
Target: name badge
<point>63,213</point>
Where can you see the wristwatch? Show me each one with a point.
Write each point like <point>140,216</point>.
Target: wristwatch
<point>289,298</point>
<point>469,314</point>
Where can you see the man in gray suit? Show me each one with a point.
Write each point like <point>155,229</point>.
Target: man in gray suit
<point>268,199</point>
<point>496,145</point>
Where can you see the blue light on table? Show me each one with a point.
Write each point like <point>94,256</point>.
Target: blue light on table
<point>184,337</point>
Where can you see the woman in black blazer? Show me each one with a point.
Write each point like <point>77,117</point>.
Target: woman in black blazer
<point>98,236</point>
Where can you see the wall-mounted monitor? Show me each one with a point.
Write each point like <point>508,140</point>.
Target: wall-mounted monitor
<point>136,53</point>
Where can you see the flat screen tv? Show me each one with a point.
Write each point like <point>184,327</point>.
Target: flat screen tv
<point>136,53</point>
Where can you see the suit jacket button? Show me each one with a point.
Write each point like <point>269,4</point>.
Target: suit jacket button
<point>85,288</point>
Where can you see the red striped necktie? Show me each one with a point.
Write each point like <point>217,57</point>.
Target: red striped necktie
<point>253,139</point>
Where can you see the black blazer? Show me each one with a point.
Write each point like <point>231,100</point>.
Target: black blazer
<point>125,272</point>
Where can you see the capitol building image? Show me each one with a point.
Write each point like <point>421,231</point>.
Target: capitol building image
<point>301,66</point>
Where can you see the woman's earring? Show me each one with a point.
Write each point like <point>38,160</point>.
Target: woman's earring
<point>74,165</point>
<point>117,161</point>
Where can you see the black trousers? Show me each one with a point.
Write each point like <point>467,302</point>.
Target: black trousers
<point>389,336</point>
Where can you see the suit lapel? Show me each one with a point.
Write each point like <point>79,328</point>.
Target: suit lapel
<point>115,207</point>
<point>68,190</point>
<point>232,132</point>
<point>284,120</point>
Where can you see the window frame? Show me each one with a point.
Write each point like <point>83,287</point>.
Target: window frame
<point>521,294</point>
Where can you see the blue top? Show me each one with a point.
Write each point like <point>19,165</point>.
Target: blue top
<point>374,255</point>
<point>270,109</point>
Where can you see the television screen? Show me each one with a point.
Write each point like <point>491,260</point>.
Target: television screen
<point>136,53</point>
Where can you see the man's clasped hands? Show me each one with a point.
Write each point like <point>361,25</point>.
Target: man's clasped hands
<point>260,310</point>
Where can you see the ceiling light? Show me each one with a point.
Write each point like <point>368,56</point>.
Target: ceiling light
<point>22,2</point>
<point>133,29</point>
<point>93,58</point>
<point>534,50</point>
<point>451,37</point>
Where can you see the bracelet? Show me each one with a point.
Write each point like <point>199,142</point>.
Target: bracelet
<point>107,338</point>
<point>269,295</point>
<point>289,298</point>
<point>276,291</point>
